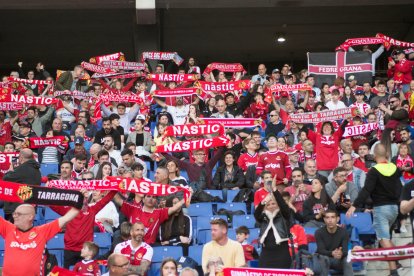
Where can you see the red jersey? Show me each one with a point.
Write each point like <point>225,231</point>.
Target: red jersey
<point>302,196</point>
<point>5,133</point>
<point>401,72</point>
<point>327,149</point>
<point>360,165</point>
<point>277,163</point>
<point>259,195</point>
<point>87,268</point>
<point>24,250</point>
<point>249,251</point>
<point>298,236</point>
<point>304,157</point>
<point>151,221</point>
<point>246,160</point>
<point>135,255</point>
<point>80,229</point>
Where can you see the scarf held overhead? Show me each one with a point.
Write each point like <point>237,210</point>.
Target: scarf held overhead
<point>26,81</point>
<point>244,271</point>
<point>96,68</point>
<point>75,94</point>
<point>42,142</point>
<point>224,87</point>
<point>22,193</point>
<point>235,122</point>
<point>389,41</point>
<point>172,77</point>
<point>124,65</point>
<point>359,129</point>
<point>100,59</point>
<point>179,92</point>
<point>323,116</point>
<point>359,41</point>
<point>193,145</point>
<point>7,106</point>
<point>194,130</point>
<point>224,67</point>
<point>162,56</point>
<point>31,100</point>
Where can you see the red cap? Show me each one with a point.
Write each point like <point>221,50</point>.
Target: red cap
<point>291,151</point>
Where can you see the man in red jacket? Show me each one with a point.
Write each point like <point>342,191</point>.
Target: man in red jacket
<point>401,71</point>
<point>80,229</point>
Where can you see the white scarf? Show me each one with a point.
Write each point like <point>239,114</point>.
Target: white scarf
<point>271,225</point>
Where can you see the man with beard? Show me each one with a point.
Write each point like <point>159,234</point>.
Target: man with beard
<point>136,250</point>
<point>405,137</point>
<point>110,148</point>
<point>125,117</point>
<point>299,191</point>
<point>178,112</point>
<point>39,118</point>
<point>394,112</point>
<point>107,129</point>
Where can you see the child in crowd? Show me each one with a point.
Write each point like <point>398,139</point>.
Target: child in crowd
<point>88,266</point>
<point>242,234</point>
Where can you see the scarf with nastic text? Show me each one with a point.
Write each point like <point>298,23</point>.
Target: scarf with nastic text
<point>162,56</point>
<point>359,129</point>
<point>224,67</point>
<point>118,75</point>
<point>30,100</point>
<point>22,193</point>
<point>382,254</point>
<point>124,65</point>
<point>191,145</point>
<point>194,130</point>
<point>235,122</point>
<point>247,271</point>
<point>75,94</point>
<point>26,81</point>
<point>96,68</point>
<point>224,87</point>
<point>179,92</point>
<point>121,184</point>
<point>59,142</point>
<point>323,116</point>
<point>172,77</point>
<point>99,59</point>
<point>7,106</point>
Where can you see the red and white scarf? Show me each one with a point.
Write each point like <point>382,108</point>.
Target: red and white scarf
<point>75,94</point>
<point>247,271</point>
<point>179,92</point>
<point>323,116</point>
<point>191,145</point>
<point>31,100</point>
<point>277,88</point>
<point>109,97</point>
<point>26,81</point>
<point>224,67</point>
<point>162,56</point>
<point>235,122</point>
<point>389,41</point>
<point>402,162</point>
<point>359,41</point>
<point>223,87</point>
<point>96,68</point>
<point>42,142</point>
<point>359,129</point>
<point>100,59</point>
<point>172,77</point>
<point>117,75</point>
<point>124,65</point>
<point>7,106</point>
<point>382,254</point>
<point>194,130</point>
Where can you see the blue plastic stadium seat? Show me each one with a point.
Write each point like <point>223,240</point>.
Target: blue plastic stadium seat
<point>1,258</point>
<point>234,206</point>
<point>1,244</point>
<point>162,252</point>
<point>103,240</point>
<point>56,242</point>
<point>154,269</point>
<point>46,169</point>
<point>203,236</point>
<point>203,223</point>
<point>231,194</point>
<point>50,215</point>
<point>2,213</point>
<point>312,247</point>
<point>200,209</point>
<point>184,174</point>
<point>361,221</point>
<point>59,255</point>
<point>244,220</point>
<point>196,252</point>
<point>310,230</point>
<point>218,193</point>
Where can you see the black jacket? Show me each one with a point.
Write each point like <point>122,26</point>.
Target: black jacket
<point>26,173</point>
<point>281,221</point>
<point>238,178</point>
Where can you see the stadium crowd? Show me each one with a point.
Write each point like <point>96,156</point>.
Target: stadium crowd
<point>288,175</point>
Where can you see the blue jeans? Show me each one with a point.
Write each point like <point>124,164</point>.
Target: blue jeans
<point>384,217</point>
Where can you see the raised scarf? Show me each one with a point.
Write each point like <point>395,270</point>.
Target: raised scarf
<point>172,77</point>
<point>191,145</point>
<point>99,59</point>
<point>194,130</point>
<point>162,56</point>
<point>224,67</point>
<point>323,116</point>
<point>124,65</point>
<point>223,87</point>
<point>359,129</point>
<point>235,122</point>
<point>96,68</point>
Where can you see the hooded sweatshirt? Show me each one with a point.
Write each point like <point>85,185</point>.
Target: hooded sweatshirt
<point>382,184</point>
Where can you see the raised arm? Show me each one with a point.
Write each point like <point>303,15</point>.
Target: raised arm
<point>71,214</point>
<point>159,102</point>
<point>105,110</point>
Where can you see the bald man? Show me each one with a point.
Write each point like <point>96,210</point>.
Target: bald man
<point>117,265</point>
<point>384,186</point>
<point>261,77</point>
<point>25,171</point>
<point>24,244</point>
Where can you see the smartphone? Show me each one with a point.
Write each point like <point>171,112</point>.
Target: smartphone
<point>15,160</point>
<point>268,186</point>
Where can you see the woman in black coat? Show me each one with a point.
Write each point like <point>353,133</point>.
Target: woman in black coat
<point>273,215</point>
<point>229,175</point>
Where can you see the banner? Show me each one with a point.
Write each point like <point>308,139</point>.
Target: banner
<point>7,106</point>
<point>359,129</point>
<point>162,56</point>
<point>179,92</point>
<point>75,94</point>
<point>26,81</point>
<point>244,271</point>
<point>6,159</point>
<point>359,41</point>
<point>31,100</point>
<point>193,145</point>
<point>323,116</point>
<point>224,67</point>
<point>389,41</point>
<point>382,254</point>
<point>235,122</point>
<point>223,87</point>
<point>194,130</point>
<point>96,68</point>
<point>22,193</point>
<point>124,65</point>
<point>326,67</point>
<point>100,59</point>
<point>42,142</point>
<point>122,184</point>
<point>172,77</point>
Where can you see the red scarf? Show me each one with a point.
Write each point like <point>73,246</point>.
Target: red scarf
<point>7,106</point>
<point>194,130</point>
<point>382,254</point>
<point>42,142</point>
<point>193,145</point>
<point>124,65</point>
<point>388,42</point>
<point>230,271</point>
<point>100,59</point>
<point>31,100</point>
<point>120,98</point>
<point>323,116</point>
<point>162,56</point>
<point>224,67</point>
<point>96,68</point>
<point>75,94</point>
<point>359,129</point>
<point>117,75</point>
<point>172,77</point>
<point>401,162</point>
<point>179,92</point>
<point>223,87</point>
<point>359,41</point>
<point>235,122</point>
<point>26,81</point>
<point>277,88</point>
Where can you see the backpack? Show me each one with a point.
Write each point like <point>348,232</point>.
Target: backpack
<point>305,259</point>
<point>244,195</point>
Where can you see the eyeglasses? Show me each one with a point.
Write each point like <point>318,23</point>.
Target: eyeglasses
<point>17,214</point>
<point>123,265</point>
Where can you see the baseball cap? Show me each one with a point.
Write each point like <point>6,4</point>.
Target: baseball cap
<point>79,140</point>
<point>359,92</point>
<point>25,123</point>
<point>275,71</point>
<point>284,94</point>
<point>140,117</point>
<point>351,78</point>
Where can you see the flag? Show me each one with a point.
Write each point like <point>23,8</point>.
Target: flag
<point>326,67</point>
